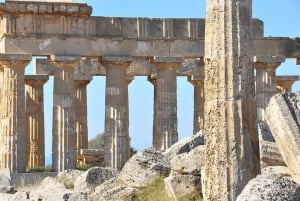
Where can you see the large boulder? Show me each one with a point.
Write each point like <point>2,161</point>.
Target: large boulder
<point>185,145</point>
<point>68,177</point>
<point>270,187</point>
<point>113,190</point>
<point>51,183</point>
<point>93,177</point>
<point>143,168</point>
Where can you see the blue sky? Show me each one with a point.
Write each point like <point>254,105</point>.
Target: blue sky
<point>281,18</point>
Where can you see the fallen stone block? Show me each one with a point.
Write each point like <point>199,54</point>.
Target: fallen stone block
<point>270,154</point>
<point>285,130</point>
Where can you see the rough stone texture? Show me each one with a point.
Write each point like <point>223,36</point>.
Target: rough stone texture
<point>7,189</point>
<point>93,177</point>
<point>6,197</point>
<point>94,157</point>
<point>179,186</point>
<point>269,187</point>
<point>5,177</point>
<point>265,81</point>
<point>285,129</point>
<point>13,135</point>
<point>64,139</point>
<point>185,145</point>
<point>293,101</point>
<point>279,170</point>
<point>81,124</point>
<point>35,120</point>
<point>165,102</point>
<point>51,183</point>
<point>232,148</point>
<point>116,136</point>
<point>270,154</point>
<point>113,190</point>
<point>143,168</point>
<point>68,177</point>
<point>264,132</point>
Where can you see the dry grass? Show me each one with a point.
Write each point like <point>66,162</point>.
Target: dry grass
<point>156,192</point>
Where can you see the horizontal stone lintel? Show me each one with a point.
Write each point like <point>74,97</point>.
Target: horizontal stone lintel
<point>287,78</point>
<point>89,46</point>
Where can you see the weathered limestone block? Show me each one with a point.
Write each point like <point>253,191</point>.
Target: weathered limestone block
<point>270,154</point>
<point>232,148</point>
<point>285,83</point>
<point>265,81</point>
<point>165,103</point>
<point>81,125</point>
<point>64,138</point>
<point>117,142</point>
<point>182,186</point>
<point>68,177</point>
<point>285,129</point>
<point>35,120</point>
<point>13,134</point>
<point>147,165</point>
<point>269,187</point>
<point>93,177</point>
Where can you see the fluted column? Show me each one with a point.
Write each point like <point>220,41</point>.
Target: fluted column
<point>81,126</point>
<point>117,142</point>
<point>13,132</point>
<point>231,142</point>
<point>35,120</point>
<point>64,135</point>
<point>284,83</point>
<point>165,104</point>
<point>198,103</point>
<point>265,81</point>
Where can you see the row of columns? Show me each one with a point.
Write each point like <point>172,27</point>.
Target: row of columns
<point>70,108</point>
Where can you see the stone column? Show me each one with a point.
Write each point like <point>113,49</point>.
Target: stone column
<point>81,126</point>
<point>117,142</point>
<point>232,151</point>
<point>265,81</point>
<point>13,132</point>
<point>35,120</point>
<point>64,135</point>
<point>284,83</point>
<point>165,103</point>
<point>198,103</point>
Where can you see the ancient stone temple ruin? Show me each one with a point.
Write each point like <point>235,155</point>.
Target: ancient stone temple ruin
<point>217,56</point>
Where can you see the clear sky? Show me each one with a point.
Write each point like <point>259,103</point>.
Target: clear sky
<point>281,18</point>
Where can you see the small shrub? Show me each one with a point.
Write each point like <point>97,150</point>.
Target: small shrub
<point>83,167</point>
<point>39,169</point>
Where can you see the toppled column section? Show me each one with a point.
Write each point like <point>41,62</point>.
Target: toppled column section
<point>265,81</point>
<point>285,129</point>
<point>81,126</point>
<point>285,83</point>
<point>13,132</point>
<point>64,137</point>
<point>165,104</point>
<point>116,137</point>
<point>232,151</point>
<point>35,120</point>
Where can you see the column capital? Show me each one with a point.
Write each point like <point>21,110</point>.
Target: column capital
<point>116,61</point>
<point>298,61</point>
<point>267,62</point>
<point>64,61</point>
<point>78,83</point>
<point>152,79</point>
<point>14,60</point>
<point>36,80</point>
<point>166,62</point>
<point>129,79</point>
<point>195,82</point>
<point>285,82</point>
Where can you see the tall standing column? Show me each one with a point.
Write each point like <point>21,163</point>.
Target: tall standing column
<point>232,151</point>
<point>81,126</point>
<point>165,104</point>
<point>265,81</point>
<point>285,83</point>
<point>198,103</point>
<point>13,132</point>
<point>35,120</point>
<point>117,142</point>
<point>64,135</point>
